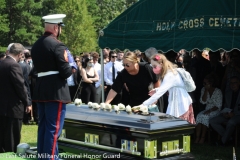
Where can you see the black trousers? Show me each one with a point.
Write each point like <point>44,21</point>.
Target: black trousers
<point>88,92</point>
<point>72,90</point>
<point>10,133</point>
<point>117,98</point>
<point>27,117</point>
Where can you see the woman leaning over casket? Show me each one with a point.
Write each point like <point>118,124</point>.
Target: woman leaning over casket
<point>179,101</point>
<point>136,77</point>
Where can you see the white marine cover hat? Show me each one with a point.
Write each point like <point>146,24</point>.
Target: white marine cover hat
<point>54,19</point>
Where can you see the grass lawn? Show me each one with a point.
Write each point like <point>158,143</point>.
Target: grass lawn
<point>201,152</point>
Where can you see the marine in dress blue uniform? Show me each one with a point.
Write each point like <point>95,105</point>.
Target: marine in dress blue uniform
<point>51,92</point>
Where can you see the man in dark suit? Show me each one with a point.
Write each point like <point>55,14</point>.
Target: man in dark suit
<point>51,92</point>
<point>26,70</point>
<point>13,99</point>
<point>231,112</point>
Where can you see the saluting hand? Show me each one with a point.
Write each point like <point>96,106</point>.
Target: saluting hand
<point>28,109</point>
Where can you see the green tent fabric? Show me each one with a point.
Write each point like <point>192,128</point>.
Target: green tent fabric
<point>175,25</point>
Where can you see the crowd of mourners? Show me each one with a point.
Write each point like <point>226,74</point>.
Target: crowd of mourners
<point>214,104</point>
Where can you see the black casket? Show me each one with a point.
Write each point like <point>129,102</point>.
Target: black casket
<point>107,133</point>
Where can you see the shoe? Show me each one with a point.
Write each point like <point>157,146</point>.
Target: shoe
<point>27,123</point>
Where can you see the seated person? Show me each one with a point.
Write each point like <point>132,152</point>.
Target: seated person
<point>212,97</point>
<point>231,112</point>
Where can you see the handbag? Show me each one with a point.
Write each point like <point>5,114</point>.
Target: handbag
<point>153,108</point>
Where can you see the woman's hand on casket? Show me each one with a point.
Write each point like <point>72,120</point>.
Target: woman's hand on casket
<point>152,92</point>
<point>136,108</point>
<point>141,107</point>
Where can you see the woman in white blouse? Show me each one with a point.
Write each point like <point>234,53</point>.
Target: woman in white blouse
<point>179,101</point>
<point>212,97</point>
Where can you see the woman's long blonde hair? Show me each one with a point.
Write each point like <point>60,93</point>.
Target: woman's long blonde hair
<point>166,64</point>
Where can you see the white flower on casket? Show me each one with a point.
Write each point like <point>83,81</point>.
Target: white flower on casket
<point>78,102</point>
<point>143,108</point>
<point>116,108</point>
<point>90,104</point>
<point>94,105</point>
<point>97,106</point>
<point>128,108</point>
<point>121,106</point>
<point>103,105</point>
<point>108,106</point>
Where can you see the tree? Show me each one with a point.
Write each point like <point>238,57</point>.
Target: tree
<point>48,7</point>
<point>79,33</point>
<point>104,11</point>
<point>3,22</point>
<point>24,24</point>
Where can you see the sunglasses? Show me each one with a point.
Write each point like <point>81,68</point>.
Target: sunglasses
<point>127,65</point>
<point>114,56</point>
<point>138,55</point>
<point>77,61</point>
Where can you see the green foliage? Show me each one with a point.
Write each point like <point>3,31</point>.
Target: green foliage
<point>3,19</point>
<point>104,11</point>
<point>21,20</point>
<point>48,7</point>
<point>3,49</point>
<point>79,33</point>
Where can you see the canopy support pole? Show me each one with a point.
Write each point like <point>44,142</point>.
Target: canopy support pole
<point>102,75</point>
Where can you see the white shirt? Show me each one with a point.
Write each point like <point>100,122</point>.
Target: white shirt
<point>178,99</point>
<point>70,81</point>
<point>97,67</point>
<point>121,61</point>
<point>108,71</point>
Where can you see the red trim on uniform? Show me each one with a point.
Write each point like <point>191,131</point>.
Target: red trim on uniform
<point>57,129</point>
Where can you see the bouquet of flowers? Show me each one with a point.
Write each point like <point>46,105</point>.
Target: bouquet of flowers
<point>121,106</point>
<point>78,102</point>
<point>128,109</point>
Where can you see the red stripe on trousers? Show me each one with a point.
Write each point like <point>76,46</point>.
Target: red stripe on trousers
<point>57,129</point>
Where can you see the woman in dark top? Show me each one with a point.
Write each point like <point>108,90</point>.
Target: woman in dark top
<point>137,78</point>
<point>89,77</point>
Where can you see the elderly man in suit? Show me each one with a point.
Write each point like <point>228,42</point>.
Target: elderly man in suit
<point>231,112</point>
<point>13,98</point>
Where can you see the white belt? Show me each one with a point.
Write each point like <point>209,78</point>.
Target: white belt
<point>41,74</point>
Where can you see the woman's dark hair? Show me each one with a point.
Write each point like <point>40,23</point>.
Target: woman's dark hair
<point>75,57</point>
<point>110,53</point>
<point>84,65</point>
<point>216,54</point>
<point>213,79</point>
<point>171,55</point>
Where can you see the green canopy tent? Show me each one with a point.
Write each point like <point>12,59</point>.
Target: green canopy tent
<point>175,25</point>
